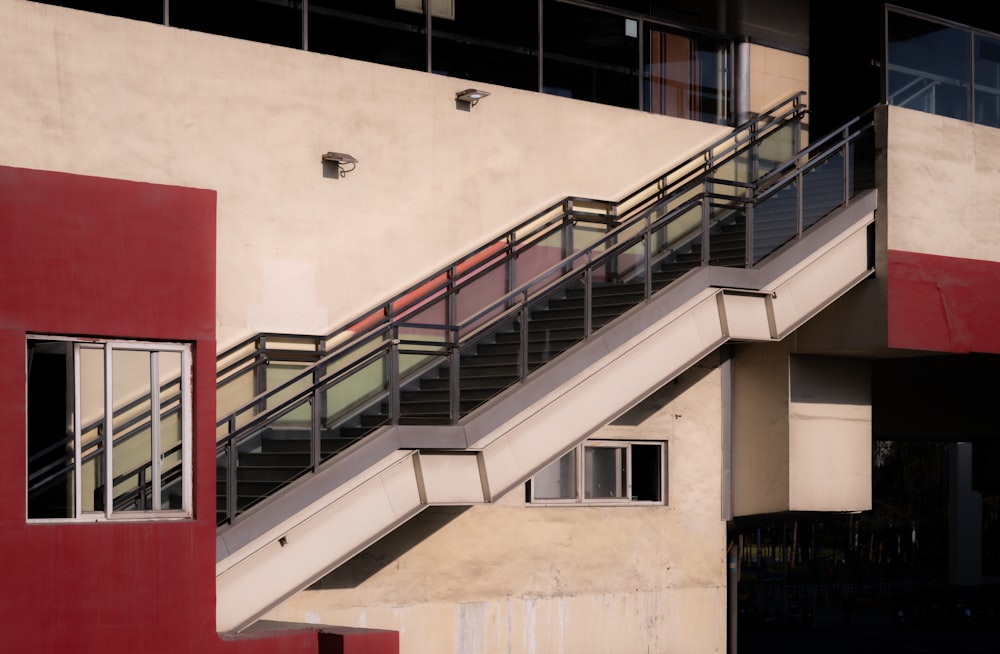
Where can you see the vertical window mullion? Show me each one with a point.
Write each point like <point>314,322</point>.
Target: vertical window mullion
<point>154,428</point>
<point>109,436</point>
<point>186,432</point>
<point>77,437</point>
<point>628,472</point>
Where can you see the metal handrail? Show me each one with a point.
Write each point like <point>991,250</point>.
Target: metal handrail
<point>780,113</point>
<point>516,303</point>
<point>448,279</point>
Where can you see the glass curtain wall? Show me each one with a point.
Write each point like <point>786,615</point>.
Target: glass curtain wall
<point>582,50</point>
<point>942,68</point>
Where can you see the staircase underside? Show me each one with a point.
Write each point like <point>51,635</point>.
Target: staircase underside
<point>298,536</point>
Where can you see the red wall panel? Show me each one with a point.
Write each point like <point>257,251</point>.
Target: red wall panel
<point>90,256</point>
<point>943,304</point>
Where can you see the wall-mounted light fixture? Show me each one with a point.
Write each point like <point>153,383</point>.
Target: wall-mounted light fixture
<point>336,162</point>
<point>470,97</point>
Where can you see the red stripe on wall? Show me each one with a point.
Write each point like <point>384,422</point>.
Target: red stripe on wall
<point>943,304</point>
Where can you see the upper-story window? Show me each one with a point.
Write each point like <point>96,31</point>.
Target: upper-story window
<point>603,472</point>
<point>942,68</point>
<point>608,53</point>
<point>109,429</point>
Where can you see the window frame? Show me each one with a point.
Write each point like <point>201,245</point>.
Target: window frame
<point>581,483</point>
<point>108,346</point>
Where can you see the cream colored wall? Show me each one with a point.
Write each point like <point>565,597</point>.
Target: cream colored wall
<point>297,252</point>
<point>760,428</point>
<point>829,434</point>
<point>802,429</point>
<point>775,75</point>
<point>942,191</point>
<point>507,577</point>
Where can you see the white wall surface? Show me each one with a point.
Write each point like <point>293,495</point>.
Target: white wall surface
<point>507,577</point>
<point>297,252</point>
<point>942,191</point>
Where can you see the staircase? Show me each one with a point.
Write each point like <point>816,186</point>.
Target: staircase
<point>449,406</point>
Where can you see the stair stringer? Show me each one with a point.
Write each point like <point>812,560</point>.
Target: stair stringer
<point>300,535</point>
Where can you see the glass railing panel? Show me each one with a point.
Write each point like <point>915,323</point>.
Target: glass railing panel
<point>277,374</point>
<point>359,399</point>
<point>775,221</point>
<point>986,99</point>
<point>727,233</point>
<point>556,323</point>
<point>417,404</point>
<point>776,148</point>
<point>628,263</point>
<point>431,309</point>
<point>822,189</point>
<point>485,369</point>
<point>928,66</point>
<point>272,456</point>
<point>476,294</point>
<point>538,257</point>
<point>675,247</point>
<point>588,236</point>
<point>737,168</point>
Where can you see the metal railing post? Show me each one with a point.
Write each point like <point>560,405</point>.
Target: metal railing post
<point>799,193</point>
<point>231,491</point>
<point>748,217</point>
<point>647,255</point>
<point>393,371</point>
<point>588,300</point>
<point>454,379</point>
<point>846,168</point>
<point>706,219</point>
<point>522,359</point>
<point>314,429</point>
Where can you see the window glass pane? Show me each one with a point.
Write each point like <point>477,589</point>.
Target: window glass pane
<point>478,42</point>
<point>277,23</point>
<point>590,55</point>
<point>150,11</point>
<point>171,486</point>
<point>91,380</point>
<point>557,481</point>
<point>647,465</point>
<point>131,453</point>
<point>987,97</point>
<point>603,470</point>
<point>369,30</point>
<point>929,66</point>
<point>50,430</point>
<point>686,76</point>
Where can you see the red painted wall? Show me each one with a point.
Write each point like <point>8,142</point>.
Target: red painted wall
<point>90,256</point>
<point>943,304</point>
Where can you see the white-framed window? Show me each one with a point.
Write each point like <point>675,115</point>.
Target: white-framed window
<point>108,429</point>
<point>604,472</point>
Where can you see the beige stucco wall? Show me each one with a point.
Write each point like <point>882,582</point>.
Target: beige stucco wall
<point>775,75</point>
<point>802,428</point>
<point>297,252</point>
<point>760,428</point>
<point>508,577</point>
<point>829,434</point>
<point>942,195</point>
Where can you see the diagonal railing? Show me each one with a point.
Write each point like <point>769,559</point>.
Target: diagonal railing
<point>413,318</point>
<point>428,345</point>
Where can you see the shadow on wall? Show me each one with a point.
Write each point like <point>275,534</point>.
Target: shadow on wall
<point>377,556</point>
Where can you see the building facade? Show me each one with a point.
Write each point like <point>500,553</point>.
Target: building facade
<point>342,271</point>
